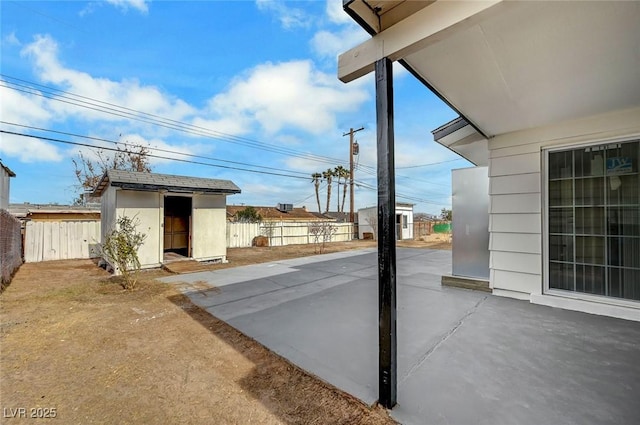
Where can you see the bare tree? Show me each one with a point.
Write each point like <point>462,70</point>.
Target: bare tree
<point>372,221</point>
<point>322,233</point>
<point>89,171</point>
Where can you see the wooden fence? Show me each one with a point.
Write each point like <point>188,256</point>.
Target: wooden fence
<point>60,240</point>
<point>281,233</point>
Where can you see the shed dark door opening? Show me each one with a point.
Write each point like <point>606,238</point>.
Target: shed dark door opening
<point>177,225</point>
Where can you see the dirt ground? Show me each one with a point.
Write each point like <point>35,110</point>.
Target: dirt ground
<point>77,349</point>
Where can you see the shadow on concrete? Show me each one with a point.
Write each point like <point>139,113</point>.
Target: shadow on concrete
<point>289,392</point>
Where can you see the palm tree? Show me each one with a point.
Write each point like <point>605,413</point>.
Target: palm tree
<point>346,174</point>
<point>316,178</point>
<point>328,176</point>
<point>339,173</point>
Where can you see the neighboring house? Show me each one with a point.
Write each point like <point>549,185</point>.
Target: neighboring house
<point>181,215</point>
<point>5,185</point>
<point>548,95</point>
<point>368,221</point>
<point>279,213</point>
<point>50,212</point>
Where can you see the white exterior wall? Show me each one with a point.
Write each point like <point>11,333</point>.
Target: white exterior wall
<point>147,208</point>
<point>209,227</point>
<point>370,215</point>
<point>366,216</point>
<point>517,196</point>
<point>407,233</point>
<point>4,189</point>
<point>107,212</point>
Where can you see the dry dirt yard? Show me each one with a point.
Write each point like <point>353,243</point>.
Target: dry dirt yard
<point>77,349</point>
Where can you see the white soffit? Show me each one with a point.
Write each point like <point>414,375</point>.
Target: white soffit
<point>538,63</point>
<point>469,144</point>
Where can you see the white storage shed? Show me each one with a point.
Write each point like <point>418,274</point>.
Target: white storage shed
<point>182,215</point>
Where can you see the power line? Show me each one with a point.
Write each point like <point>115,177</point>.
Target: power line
<point>150,147</point>
<point>429,164</point>
<point>50,139</point>
<point>148,118</point>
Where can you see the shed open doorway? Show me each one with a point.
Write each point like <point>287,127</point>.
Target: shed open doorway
<point>177,225</point>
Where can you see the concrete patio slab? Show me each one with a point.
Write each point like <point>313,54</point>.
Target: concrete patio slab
<point>463,356</point>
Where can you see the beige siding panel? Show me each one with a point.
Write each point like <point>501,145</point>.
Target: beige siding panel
<point>519,164</point>
<point>530,243</point>
<point>515,204</point>
<point>521,183</point>
<point>515,150</point>
<point>515,223</point>
<point>145,207</point>
<point>516,262</point>
<point>519,282</point>
<point>209,230</point>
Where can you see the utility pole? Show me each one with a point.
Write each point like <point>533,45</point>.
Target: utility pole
<point>351,132</point>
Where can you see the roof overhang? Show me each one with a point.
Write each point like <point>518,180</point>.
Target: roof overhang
<point>459,136</point>
<point>508,65</point>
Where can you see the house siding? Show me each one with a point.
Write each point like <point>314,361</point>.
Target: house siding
<point>516,195</point>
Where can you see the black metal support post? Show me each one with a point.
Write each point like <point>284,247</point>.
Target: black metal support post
<point>387,378</point>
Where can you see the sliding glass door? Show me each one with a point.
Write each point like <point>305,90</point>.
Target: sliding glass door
<point>593,220</point>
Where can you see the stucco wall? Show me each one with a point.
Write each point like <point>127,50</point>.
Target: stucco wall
<point>209,223</point>
<point>516,195</point>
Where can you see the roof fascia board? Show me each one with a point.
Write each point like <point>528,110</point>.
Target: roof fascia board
<point>176,189</point>
<point>412,34</point>
<point>356,10</point>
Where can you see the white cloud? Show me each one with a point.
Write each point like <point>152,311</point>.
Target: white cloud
<point>28,149</point>
<point>141,6</point>
<point>327,44</point>
<point>336,13</point>
<point>124,5</point>
<point>11,39</point>
<point>22,108</point>
<point>289,17</point>
<point>30,110</point>
<point>289,94</point>
<point>272,97</point>
<point>129,93</point>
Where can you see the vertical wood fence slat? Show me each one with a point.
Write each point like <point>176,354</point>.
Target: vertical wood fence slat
<point>282,233</point>
<point>60,240</point>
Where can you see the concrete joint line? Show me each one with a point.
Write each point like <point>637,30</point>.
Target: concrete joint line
<point>442,340</point>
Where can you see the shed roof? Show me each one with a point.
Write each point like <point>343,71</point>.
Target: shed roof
<point>7,169</point>
<point>134,180</point>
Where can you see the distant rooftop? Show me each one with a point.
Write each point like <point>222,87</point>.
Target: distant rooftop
<point>273,213</point>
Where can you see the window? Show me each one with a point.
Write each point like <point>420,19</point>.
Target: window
<point>594,220</point>
<point>405,221</point>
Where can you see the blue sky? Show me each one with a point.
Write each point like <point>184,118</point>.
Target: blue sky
<point>250,85</point>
